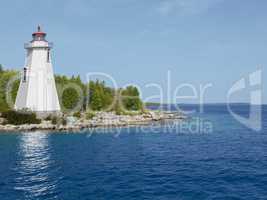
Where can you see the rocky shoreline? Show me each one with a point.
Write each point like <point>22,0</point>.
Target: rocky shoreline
<point>101,119</point>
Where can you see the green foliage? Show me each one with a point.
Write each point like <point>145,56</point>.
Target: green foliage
<point>100,96</point>
<point>77,114</point>
<point>5,76</point>
<point>118,108</point>
<point>48,118</point>
<point>90,115</point>
<point>14,91</point>
<point>18,118</point>
<point>70,98</point>
<point>96,101</point>
<point>103,97</point>
<point>58,120</point>
<point>130,99</point>
<point>54,120</point>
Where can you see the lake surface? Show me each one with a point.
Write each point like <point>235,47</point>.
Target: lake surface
<point>212,156</point>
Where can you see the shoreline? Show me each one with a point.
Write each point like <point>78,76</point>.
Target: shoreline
<point>101,120</point>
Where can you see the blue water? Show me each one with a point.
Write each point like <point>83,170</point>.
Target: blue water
<point>225,160</point>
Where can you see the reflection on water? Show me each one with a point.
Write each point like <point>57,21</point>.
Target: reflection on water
<point>33,167</point>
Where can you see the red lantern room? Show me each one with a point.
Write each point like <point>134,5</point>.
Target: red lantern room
<point>39,35</point>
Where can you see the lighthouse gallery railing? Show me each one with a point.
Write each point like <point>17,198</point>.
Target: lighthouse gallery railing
<point>32,45</point>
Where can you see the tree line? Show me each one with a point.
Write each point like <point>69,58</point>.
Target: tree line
<point>77,96</point>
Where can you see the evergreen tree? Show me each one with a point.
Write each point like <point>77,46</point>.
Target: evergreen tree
<point>96,103</point>
<point>130,98</point>
<point>70,98</point>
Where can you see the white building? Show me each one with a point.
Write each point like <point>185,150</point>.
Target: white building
<point>37,91</point>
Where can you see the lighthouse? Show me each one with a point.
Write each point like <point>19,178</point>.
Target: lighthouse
<point>37,91</point>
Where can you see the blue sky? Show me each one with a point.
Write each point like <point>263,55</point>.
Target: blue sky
<point>135,41</point>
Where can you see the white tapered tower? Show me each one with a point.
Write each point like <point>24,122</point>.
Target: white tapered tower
<point>37,91</point>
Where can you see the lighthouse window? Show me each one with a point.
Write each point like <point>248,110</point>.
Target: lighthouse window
<point>48,56</point>
<point>24,74</point>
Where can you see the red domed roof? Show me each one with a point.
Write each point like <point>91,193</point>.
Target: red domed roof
<point>39,35</point>
<point>39,32</point>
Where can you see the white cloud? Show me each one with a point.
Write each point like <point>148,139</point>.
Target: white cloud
<point>185,7</point>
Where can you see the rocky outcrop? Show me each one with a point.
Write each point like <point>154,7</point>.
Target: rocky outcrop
<point>101,119</point>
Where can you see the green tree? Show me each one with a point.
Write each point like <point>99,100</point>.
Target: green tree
<point>100,96</point>
<point>96,103</point>
<point>70,98</point>
<point>130,99</point>
<point>5,76</point>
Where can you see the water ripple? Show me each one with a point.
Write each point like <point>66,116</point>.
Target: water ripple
<point>34,167</point>
<point>229,163</point>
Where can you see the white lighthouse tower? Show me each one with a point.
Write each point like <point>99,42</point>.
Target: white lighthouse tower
<point>37,91</point>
